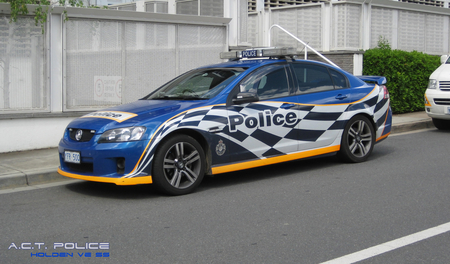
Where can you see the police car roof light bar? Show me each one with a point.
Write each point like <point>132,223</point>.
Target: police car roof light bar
<point>259,53</point>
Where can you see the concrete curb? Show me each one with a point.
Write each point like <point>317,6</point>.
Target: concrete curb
<point>34,177</point>
<point>406,127</point>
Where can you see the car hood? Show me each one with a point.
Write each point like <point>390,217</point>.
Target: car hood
<point>442,73</point>
<point>139,113</point>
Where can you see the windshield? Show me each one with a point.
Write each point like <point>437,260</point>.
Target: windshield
<point>201,84</point>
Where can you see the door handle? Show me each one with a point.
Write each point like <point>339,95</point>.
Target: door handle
<point>287,106</point>
<point>341,96</point>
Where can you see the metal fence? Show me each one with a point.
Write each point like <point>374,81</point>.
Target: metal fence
<point>22,66</point>
<point>115,62</point>
<point>109,57</point>
<point>358,25</point>
<point>100,58</point>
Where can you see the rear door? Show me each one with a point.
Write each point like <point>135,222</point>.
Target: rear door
<point>323,95</point>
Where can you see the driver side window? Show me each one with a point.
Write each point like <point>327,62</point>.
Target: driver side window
<point>268,82</point>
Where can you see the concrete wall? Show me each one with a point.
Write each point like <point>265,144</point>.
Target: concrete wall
<point>31,133</point>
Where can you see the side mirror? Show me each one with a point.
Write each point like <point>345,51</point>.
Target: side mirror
<point>444,59</point>
<point>245,97</point>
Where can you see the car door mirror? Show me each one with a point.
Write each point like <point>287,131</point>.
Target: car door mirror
<point>245,97</point>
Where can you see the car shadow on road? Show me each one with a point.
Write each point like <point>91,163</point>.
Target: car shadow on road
<point>297,168</point>
<point>110,190</point>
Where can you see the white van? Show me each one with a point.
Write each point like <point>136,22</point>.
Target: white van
<point>437,95</point>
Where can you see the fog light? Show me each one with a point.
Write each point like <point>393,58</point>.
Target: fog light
<point>120,165</point>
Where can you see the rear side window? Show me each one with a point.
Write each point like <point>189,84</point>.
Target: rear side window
<point>340,81</point>
<point>315,78</point>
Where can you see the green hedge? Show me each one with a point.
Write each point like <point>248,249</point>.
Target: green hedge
<point>407,75</point>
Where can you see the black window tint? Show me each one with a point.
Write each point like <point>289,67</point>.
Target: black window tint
<point>312,78</point>
<point>268,82</point>
<point>339,79</point>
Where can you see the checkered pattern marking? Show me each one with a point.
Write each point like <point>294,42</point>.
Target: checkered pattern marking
<point>265,129</point>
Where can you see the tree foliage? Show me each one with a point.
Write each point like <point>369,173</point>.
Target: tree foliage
<point>20,8</point>
<point>407,74</point>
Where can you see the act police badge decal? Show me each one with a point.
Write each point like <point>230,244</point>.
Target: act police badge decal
<point>220,148</point>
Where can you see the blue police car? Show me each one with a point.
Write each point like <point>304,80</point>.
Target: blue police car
<point>261,107</point>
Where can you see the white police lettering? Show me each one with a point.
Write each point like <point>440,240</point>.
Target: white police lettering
<point>265,118</point>
<point>248,53</point>
<point>117,116</point>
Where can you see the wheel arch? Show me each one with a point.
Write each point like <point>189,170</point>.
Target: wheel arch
<point>369,116</point>
<point>200,138</point>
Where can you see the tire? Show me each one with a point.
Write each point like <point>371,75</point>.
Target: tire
<point>358,140</point>
<point>441,124</point>
<point>179,165</point>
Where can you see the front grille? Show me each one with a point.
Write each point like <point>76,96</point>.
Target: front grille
<point>86,136</point>
<point>444,86</point>
<point>440,101</point>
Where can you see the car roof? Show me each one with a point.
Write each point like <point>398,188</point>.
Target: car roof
<point>250,63</point>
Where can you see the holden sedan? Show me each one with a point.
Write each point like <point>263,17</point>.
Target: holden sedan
<point>254,110</point>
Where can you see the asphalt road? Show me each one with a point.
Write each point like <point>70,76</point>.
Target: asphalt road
<point>308,211</point>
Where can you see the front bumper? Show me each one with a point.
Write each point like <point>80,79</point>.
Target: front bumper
<point>437,104</point>
<point>105,162</point>
<point>117,181</point>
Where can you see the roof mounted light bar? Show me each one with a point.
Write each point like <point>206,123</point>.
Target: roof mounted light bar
<point>259,53</point>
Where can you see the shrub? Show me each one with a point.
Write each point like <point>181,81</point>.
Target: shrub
<point>407,74</point>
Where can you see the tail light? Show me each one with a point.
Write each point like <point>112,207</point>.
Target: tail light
<point>386,92</point>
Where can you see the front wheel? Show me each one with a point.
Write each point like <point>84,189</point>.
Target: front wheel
<point>179,165</point>
<point>358,140</point>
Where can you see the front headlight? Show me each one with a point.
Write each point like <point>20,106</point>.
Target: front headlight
<point>432,84</point>
<point>122,134</point>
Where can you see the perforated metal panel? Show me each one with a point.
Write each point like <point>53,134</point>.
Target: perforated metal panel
<point>200,45</point>
<point>109,63</point>
<point>187,7</point>
<point>156,7</point>
<point>147,43</point>
<point>211,8</point>
<point>346,26</point>
<point>243,21</point>
<point>381,26</point>
<point>22,66</point>
<point>252,29</point>
<point>434,34</point>
<point>200,7</point>
<point>304,22</point>
<point>411,31</point>
<point>287,19</point>
<point>93,49</point>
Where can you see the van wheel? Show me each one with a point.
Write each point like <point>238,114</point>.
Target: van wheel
<point>358,140</point>
<point>441,124</point>
<point>179,165</point>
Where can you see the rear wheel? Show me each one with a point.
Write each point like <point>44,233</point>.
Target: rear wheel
<point>358,140</point>
<point>179,165</point>
<point>441,124</point>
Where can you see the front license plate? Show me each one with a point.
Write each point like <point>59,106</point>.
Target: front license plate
<point>72,156</point>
